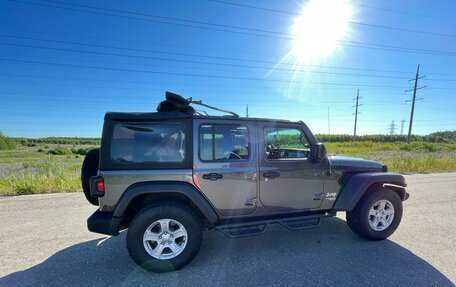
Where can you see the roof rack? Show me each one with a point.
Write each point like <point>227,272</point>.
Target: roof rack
<point>200,103</point>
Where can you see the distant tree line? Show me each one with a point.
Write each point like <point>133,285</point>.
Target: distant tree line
<point>6,142</point>
<point>437,137</point>
<point>58,140</point>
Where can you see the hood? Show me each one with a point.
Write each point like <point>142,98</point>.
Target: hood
<point>353,164</point>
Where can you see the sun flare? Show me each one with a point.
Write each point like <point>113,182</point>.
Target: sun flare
<point>319,28</point>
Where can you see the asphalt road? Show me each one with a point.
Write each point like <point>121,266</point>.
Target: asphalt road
<point>44,242</point>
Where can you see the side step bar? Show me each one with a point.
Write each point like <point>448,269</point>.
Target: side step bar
<point>243,229</point>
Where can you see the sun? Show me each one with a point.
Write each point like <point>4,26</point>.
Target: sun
<point>318,29</point>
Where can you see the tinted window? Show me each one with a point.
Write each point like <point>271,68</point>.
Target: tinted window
<point>223,142</point>
<point>285,143</point>
<point>148,142</point>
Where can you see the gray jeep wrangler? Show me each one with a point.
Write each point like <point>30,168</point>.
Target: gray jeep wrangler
<point>169,175</point>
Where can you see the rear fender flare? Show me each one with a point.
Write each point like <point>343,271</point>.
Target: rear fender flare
<point>358,184</point>
<point>161,187</point>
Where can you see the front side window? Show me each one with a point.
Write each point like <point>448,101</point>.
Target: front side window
<point>223,142</point>
<point>148,142</point>
<point>285,143</point>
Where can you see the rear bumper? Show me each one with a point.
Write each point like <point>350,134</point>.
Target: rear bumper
<point>104,223</point>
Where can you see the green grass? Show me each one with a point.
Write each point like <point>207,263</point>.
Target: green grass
<point>27,171</point>
<point>417,157</point>
<point>24,170</point>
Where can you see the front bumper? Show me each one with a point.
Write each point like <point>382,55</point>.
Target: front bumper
<point>104,223</point>
<point>406,196</point>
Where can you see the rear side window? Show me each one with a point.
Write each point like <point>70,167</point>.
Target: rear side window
<point>223,143</point>
<point>148,142</point>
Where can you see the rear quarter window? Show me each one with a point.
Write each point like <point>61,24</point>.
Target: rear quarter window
<point>148,143</point>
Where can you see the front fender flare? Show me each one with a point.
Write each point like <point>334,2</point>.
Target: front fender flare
<point>182,188</point>
<point>359,183</point>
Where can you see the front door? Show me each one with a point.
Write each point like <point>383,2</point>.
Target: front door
<point>288,180</point>
<point>226,165</point>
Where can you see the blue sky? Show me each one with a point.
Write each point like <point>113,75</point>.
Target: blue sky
<point>62,69</point>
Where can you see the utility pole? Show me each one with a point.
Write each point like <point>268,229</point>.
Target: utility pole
<point>247,111</point>
<point>414,99</point>
<point>402,127</point>
<point>392,128</point>
<point>329,123</point>
<point>356,113</point>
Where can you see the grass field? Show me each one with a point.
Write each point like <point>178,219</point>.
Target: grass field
<point>417,157</point>
<point>25,170</point>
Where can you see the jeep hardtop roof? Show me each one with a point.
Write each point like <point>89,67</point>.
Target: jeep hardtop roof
<point>176,107</point>
<point>141,116</point>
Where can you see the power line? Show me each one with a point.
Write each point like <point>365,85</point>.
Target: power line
<point>213,57</point>
<point>198,55</point>
<point>278,35</point>
<point>351,22</point>
<point>189,74</point>
<point>194,55</point>
<point>197,62</point>
<point>402,127</point>
<point>150,82</point>
<point>56,99</point>
<point>399,12</point>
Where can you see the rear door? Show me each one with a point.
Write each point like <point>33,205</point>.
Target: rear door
<point>225,164</point>
<point>288,180</point>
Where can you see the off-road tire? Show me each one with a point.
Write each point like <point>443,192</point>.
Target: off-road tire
<point>358,218</point>
<point>164,210</point>
<point>89,169</point>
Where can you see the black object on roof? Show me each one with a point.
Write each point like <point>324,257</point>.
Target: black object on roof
<point>175,102</point>
<point>174,106</point>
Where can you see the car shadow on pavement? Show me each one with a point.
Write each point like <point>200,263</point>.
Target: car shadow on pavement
<point>329,256</point>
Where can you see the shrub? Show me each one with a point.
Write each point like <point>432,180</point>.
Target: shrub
<point>6,142</point>
<point>81,151</point>
<point>60,151</point>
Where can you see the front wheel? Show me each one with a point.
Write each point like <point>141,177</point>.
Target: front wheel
<point>164,237</point>
<point>377,215</point>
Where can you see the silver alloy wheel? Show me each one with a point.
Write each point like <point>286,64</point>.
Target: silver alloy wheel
<point>165,239</point>
<point>381,215</point>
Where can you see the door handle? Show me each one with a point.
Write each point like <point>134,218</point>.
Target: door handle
<point>271,174</point>
<point>212,176</point>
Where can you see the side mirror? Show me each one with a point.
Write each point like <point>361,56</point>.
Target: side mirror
<point>317,152</point>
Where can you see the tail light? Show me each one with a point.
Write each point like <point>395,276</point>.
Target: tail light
<point>97,186</point>
<point>100,186</point>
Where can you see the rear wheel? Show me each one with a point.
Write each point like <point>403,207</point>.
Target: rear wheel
<point>89,169</point>
<point>164,237</point>
<point>377,215</point>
